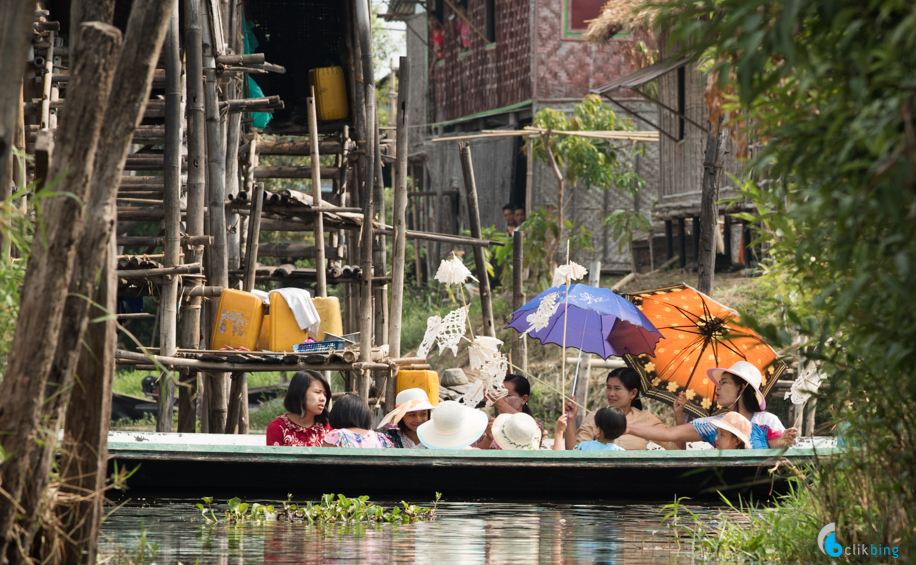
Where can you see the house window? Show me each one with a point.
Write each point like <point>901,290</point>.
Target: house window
<point>489,14</point>
<point>681,101</point>
<point>579,12</point>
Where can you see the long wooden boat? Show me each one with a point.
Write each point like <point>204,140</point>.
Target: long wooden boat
<point>196,469</point>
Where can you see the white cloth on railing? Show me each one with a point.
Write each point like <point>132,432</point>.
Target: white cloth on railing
<point>300,302</point>
<point>265,298</point>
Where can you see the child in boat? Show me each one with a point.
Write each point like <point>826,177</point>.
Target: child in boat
<point>738,390</point>
<point>734,431</point>
<point>611,423</point>
<point>412,409</point>
<point>452,426</point>
<point>306,420</point>
<point>351,420</point>
<point>517,431</point>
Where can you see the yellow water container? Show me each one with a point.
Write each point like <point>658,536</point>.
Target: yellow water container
<point>330,93</point>
<point>284,330</point>
<point>264,338</point>
<point>238,320</point>
<point>329,312</point>
<point>427,380</point>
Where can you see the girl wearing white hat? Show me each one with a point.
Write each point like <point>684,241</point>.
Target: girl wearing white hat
<point>452,426</point>
<point>738,390</point>
<point>412,408</point>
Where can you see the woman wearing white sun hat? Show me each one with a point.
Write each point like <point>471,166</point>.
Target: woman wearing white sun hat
<point>738,390</point>
<point>517,431</point>
<point>412,409</point>
<point>452,426</point>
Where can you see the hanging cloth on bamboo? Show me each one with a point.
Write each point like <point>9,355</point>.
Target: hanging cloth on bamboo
<point>303,309</point>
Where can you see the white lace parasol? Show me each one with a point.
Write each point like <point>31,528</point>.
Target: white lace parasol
<point>807,383</point>
<point>447,332</point>
<point>453,271</point>
<point>492,366</point>
<point>569,272</point>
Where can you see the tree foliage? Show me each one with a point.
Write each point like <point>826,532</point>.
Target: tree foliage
<point>826,87</point>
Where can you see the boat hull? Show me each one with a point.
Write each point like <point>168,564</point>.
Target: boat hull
<point>205,470</point>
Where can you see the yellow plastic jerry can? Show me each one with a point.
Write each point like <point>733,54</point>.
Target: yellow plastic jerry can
<point>330,93</point>
<point>427,380</point>
<point>284,330</point>
<point>329,312</point>
<point>264,338</point>
<point>238,320</point>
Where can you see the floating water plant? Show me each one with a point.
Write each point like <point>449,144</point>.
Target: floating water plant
<point>331,509</point>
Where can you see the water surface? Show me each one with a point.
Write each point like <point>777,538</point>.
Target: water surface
<point>463,532</point>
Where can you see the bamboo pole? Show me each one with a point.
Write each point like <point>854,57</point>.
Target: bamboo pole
<point>15,27</point>
<point>254,234</point>
<point>470,187</point>
<point>168,312</point>
<point>399,219</point>
<point>233,235</point>
<point>318,220</point>
<point>190,311</point>
<point>218,274</point>
<point>365,119</point>
<point>519,344</point>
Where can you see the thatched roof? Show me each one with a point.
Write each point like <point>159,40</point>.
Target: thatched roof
<point>617,16</point>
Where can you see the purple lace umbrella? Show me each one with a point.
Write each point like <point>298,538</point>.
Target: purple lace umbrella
<point>600,322</point>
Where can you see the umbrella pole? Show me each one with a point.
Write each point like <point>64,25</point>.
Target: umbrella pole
<point>565,319</point>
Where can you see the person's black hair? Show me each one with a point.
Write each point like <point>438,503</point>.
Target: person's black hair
<point>350,411</point>
<point>630,380</point>
<point>612,421</point>
<point>295,394</point>
<point>403,427</point>
<point>748,395</point>
<point>522,387</point>
<point>509,206</point>
<point>518,207</point>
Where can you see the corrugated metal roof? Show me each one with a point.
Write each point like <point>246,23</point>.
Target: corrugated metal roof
<point>642,76</point>
<point>400,10</point>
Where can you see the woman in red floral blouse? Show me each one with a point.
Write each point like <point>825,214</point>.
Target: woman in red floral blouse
<point>306,421</point>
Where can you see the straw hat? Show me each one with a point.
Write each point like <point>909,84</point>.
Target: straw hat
<point>737,424</point>
<point>452,426</point>
<point>516,431</point>
<point>744,371</point>
<point>408,400</point>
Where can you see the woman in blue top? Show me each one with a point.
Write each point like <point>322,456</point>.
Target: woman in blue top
<point>737,389</point>
<point>611,423</point>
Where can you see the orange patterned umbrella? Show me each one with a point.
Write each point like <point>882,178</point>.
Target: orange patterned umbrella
<point>699,334</point>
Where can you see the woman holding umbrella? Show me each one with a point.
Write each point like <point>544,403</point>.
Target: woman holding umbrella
<point>622,391</point>
<point>738,390</point>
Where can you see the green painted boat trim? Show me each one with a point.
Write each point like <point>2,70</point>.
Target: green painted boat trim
<point>704,458</point>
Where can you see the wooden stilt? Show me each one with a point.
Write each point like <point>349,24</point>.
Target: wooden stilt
<point>470,187</point>
<point>365,138</point>
<point>681,243</point>
<point>168,323</point>
<point>191,307</point>
<point>519,345</point>
<point>399,221</point>
<point>318,220</point>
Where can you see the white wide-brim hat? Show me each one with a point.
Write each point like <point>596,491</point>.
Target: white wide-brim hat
<point>737,424</point>
<point>408,400</point>
<point>746,372</point>
<point>452,426</point>
<point>517,431</point>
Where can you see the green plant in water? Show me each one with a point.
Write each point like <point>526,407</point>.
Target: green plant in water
<point>329,510</point>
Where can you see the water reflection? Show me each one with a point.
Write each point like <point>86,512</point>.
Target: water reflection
<point>464,533</point>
